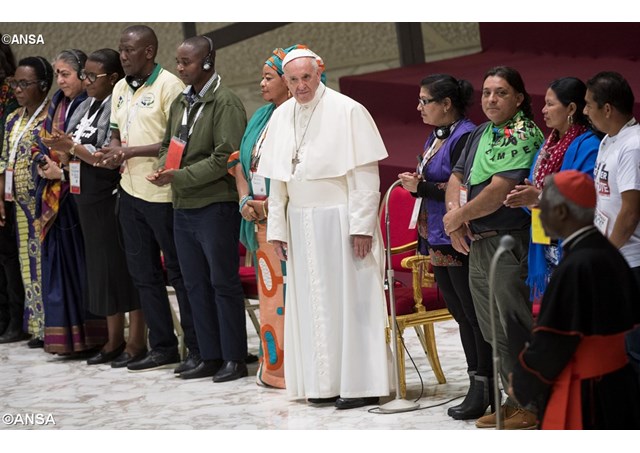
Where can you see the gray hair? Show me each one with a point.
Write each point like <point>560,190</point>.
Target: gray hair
<point>73,57</point>
<point>555,198</point>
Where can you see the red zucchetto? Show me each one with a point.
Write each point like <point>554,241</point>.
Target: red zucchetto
<point>577,187</point>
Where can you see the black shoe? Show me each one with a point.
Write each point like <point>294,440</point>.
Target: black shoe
<point>125,359</point>
<point>35,343</point>
<point>322,400</point>
<point>13,334</point>
<point>465,401</point>
<point>193,360</point>
<point>103,356</point>
<point>352,403</point>
<point>155,359</point>
<point>206,368</point>
<point>251,358</point>
<point>479,398</point>
<point>230,371</point>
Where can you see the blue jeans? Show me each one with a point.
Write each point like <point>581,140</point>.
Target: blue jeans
<point>207,243</point>
<point>147,229</point>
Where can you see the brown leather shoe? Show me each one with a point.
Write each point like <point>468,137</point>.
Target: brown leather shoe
<point>520,419</point>
<point>512,418</point>
<point>488,421</point>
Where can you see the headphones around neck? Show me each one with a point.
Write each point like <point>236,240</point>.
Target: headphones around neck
<point>207,64</point>
<point>443,132</point>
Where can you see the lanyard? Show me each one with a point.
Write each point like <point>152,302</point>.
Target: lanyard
<point>132,112</point>
<point>86,122</point>
<point>14,148</point>
<point>185,115</point>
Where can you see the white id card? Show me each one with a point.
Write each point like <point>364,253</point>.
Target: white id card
<point>259,184</point>
<point>601,221</point>
<point>74,176</point>
<point>463,195</point>
<point>415,214</point>
<point>8,185</point>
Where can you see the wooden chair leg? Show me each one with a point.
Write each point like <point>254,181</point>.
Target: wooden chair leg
<point>251,311</point>
<point>402,378</point>
<point>182,347</point>
<point>428,341</point>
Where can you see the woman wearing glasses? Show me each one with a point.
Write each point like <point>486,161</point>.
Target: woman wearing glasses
<point>69,328</point>
<point>442,103</point>
<point>31,82</point>
<point>110,290</point>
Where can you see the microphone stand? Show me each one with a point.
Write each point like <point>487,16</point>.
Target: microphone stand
<point>506,243</point>
<point>398,404</point>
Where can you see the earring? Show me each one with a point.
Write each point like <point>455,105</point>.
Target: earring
<point>288,94</point>
<point>570,120</point>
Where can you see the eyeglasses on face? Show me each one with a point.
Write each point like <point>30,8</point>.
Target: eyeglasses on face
<point>91,77</point>
<point>424,102</point>
<point>23,84</point>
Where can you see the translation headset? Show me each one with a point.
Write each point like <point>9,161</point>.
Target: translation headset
<point>207,64</point>
<point>43,84</point>
<point>443,132</point>
<point>80,72</point>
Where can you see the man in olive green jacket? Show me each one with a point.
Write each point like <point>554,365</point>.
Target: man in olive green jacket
<point>206,124</point>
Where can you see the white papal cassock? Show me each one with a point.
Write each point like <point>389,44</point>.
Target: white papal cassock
<point>335,314</point>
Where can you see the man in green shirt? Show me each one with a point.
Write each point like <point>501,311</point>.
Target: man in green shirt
<point>206,124</point>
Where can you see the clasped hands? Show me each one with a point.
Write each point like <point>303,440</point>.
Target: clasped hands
<point>457,230</point>
<point>523,195</point>
<point>112,157</point>
<point>161,177</point>
<point>60,143</point>
<point>254,210</point>
<point>51,170</point>
<point>409,181</point>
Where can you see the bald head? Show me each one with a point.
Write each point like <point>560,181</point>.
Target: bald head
<point>138,48</point>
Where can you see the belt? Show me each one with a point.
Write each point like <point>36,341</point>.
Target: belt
<point>493,233</point>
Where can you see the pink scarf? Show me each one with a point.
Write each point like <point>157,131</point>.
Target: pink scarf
<point>552,153</point>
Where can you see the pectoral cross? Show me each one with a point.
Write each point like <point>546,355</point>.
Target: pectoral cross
<point>294,162</point>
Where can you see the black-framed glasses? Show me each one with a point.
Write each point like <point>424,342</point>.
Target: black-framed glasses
<point>91,77</point>
<point>23,84</point>
<point>424,102</point>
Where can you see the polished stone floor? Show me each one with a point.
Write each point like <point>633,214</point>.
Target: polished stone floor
<point>64,394</point>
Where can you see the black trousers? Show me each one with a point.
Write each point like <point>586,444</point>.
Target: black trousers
<point>147,229</point>
<point>11,287</point>
<point>453,281</point>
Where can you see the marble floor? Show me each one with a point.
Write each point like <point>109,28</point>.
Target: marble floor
<point>64,394</point>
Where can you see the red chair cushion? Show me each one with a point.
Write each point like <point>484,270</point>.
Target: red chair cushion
<point>431,299</point>
<point>248,280</point>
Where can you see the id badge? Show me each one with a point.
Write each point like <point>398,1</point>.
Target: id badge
<point>601,221</point>
<point>174,154</point>
<point>463,195</point>
<point>538,236</point>
<point>415,214</point>
<point>259,185</point>
<point>74,176</point>
<point>8,185</point>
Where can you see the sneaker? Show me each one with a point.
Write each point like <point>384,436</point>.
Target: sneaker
<point>512,418</point>
<point>155,359</point>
